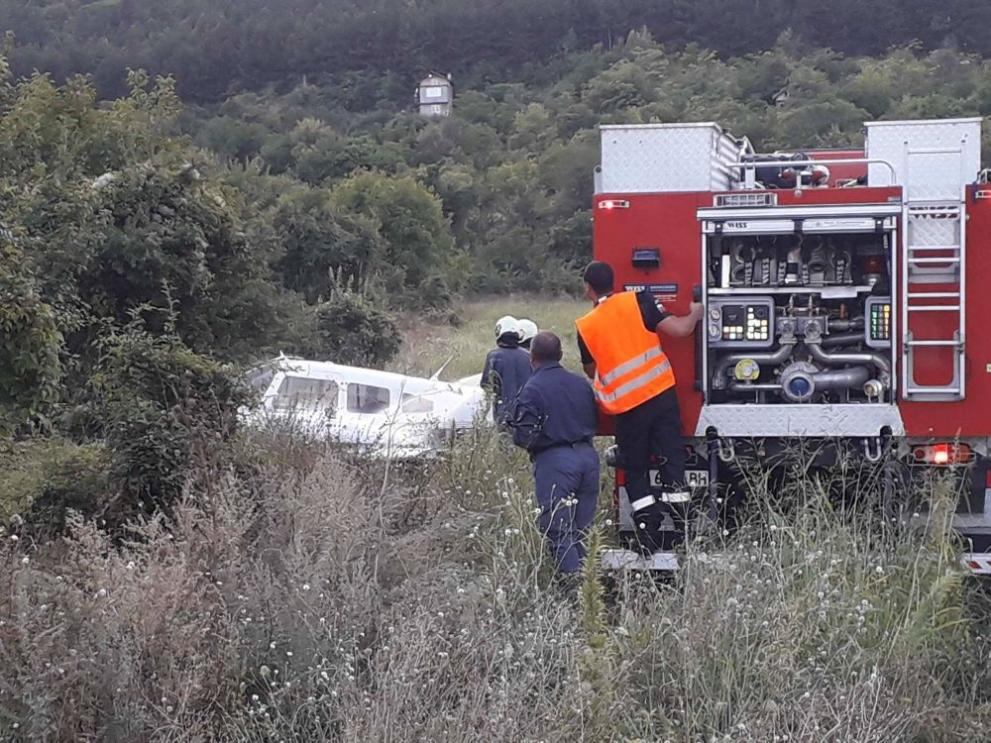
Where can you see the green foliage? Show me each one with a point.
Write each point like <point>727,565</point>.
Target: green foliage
<point>199,41</point>
<point>414,232</point>
<point>163,408</point>
<point>323,106</point>
<point>351,329</point>
<point>42,479</point>
<point>29,343</point>
<point>322,244</point>
<point>113,212</point>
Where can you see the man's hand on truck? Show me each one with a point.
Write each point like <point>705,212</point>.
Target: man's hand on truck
<point>683,326</point>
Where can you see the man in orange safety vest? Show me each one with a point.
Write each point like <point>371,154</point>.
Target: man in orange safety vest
<point>620,344</point>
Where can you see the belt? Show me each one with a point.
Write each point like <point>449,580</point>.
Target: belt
<point>564,445</point>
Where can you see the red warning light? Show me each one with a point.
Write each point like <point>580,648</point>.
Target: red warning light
<point>943,454</point>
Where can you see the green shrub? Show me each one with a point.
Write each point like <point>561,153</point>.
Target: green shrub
<point>351,329</point>
<point>165,408</point>
<point>29,342</point>
<point>41,480</point>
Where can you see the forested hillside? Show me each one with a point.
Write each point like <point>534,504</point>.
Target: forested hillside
<point>216,48</point>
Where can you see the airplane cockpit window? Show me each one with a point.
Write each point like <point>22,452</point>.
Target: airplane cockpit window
<point>307,394</point>
<point>417,404</point>
<point>365,398</point>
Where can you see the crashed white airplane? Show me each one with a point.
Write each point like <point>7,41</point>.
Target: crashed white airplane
<point>383,413</point>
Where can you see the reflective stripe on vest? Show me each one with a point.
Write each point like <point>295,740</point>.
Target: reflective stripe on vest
<point>631,366</point>
<point>636,383</point>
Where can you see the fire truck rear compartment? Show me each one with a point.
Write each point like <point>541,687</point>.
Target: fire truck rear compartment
<point>838,325</point>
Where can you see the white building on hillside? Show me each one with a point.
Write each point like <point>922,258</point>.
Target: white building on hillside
<point>435,95</point>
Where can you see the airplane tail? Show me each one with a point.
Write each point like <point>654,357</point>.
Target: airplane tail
<point>435,377</point>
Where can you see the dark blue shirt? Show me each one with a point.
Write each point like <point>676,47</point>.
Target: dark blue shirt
<point>555,408</point>
<point>506,370</point>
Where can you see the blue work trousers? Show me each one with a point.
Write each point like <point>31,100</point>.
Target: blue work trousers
<point>567,484</point>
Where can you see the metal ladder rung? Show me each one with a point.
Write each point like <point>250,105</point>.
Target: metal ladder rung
<point>916,248</point>
<point>946,344</point>
<point>934,150</point>
<point>934,295</point>
<point>923,261</point>
<point>948,391</point>
<point>933,204</point>
<point>934,308</point>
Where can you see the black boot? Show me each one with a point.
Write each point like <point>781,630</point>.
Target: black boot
<point>648,518</point>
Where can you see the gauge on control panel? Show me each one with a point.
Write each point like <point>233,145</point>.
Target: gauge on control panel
<point>877,324</point>
<point>741,322</point>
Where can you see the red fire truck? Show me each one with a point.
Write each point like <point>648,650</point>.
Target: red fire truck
<point>837,306</point>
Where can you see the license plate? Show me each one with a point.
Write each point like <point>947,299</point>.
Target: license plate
<point>693,478</point>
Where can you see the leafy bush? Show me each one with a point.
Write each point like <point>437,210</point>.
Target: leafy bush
<point>29,343</point>
<point>41,480</point>
<point>164,409</point>
<point>414,232</point>
<point>350,329</point>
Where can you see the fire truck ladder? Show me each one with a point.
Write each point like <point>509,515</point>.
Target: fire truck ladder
<point>934,251</point>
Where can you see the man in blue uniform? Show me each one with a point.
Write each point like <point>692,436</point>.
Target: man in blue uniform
<point>555,421</point>
<point>507,369</point>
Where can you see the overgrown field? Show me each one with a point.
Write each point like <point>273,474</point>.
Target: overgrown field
<point>293,593</point>
<point>465,341</point>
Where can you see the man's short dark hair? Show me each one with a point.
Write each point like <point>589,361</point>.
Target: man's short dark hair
<point>545,347</point>
<point>599,276</point>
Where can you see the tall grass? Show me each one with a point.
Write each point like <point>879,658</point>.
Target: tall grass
<point>428,344</point>
<point>309,597</point>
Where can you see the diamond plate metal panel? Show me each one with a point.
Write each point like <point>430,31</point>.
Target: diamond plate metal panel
<point>933,160</point>
<point>654,158</point>
<point>934,230</point>
<point>800,420</point>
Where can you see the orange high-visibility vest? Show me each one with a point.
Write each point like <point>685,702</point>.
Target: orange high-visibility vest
<point>630,365</point>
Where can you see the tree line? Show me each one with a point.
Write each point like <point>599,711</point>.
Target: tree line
<point>215,48</point>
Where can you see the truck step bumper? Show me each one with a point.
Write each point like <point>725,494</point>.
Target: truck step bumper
<point>620,559</point>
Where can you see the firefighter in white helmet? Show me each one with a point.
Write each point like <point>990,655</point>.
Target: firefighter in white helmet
<point>528,329</point>
<point>507,369</point>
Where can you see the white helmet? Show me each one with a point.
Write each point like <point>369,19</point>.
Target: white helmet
<point>507,324</point>
<point>528,329</point>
